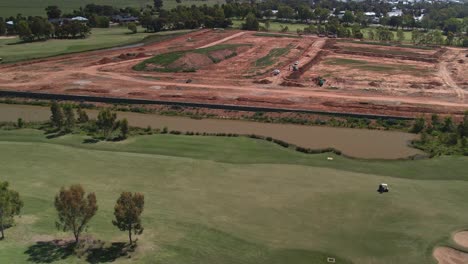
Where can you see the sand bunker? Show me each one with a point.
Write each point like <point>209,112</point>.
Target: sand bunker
<point>446,255</point>
<point>461,238</point>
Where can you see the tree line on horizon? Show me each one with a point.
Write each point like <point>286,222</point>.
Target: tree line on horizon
<point>450,18</point>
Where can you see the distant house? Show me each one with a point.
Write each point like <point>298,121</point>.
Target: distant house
<point>79,18</point>
<point>418,18</point>
<point>341,14</point>
<point>123,19</point>
<point>372,17</point>
<point>60,21</point>
<point>395,12</point>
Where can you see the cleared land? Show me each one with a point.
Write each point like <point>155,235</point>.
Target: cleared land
<point>101,38</point>
<point>36,8</point>
<point>366,78</point>
<point>234,200</point>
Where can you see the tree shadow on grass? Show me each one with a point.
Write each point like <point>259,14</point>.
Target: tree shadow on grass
<point>90,140</point>
<point>49,251</point>
<point>108,254</point>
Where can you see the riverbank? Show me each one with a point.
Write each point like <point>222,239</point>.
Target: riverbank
<point>360,143</point>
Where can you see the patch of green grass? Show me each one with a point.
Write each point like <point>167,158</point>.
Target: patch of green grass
<point>365,66</point>
<point>273,35</point>
<point>236,200</point>
<point>272,56</point>
<point>340,61</point>
<point>100,38</point>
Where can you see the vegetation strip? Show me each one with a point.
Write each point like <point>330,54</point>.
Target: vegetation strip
<point>115,100</point>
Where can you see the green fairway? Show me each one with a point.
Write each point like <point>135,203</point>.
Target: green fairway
<point>99,39</point>
<point>36,8</point>
<point>234,200</point>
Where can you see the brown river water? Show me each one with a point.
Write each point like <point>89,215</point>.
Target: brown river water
<point>360,143</point>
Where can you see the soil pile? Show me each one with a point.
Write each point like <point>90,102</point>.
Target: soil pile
<point>220,55</point>
<point>191,61</point>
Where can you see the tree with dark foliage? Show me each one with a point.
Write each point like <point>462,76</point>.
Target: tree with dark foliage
<point>10,205</point>
<point>127,212</point>
<point>74,209</point>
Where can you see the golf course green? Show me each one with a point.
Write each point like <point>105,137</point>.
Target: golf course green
<point>233,200</point>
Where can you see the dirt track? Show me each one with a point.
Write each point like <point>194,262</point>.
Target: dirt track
<point>234,81</point>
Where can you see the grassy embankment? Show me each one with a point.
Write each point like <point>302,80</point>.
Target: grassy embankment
<point>234,200</point>
<point>272,56</point>
<point>100,38</point>
<point>163,62</point>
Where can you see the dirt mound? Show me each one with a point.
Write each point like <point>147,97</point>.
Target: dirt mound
<point>191,61</point>
<point>88,90</point>
<point>220,55</point>
<point>446,255</point>
<point>137,93</point>
<point>461,238</point>
<point>105,60</point>
<point>291,84</point>
<point>141,55</point>
<point>264,81</point>
<point>267,100</point>
<point>123,56</point>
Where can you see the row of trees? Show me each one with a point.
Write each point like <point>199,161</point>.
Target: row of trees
<point>442,136</point>
<point>183,17</point>
<point>75,209</point>
<point>38,28</point>
<point>64,120</point>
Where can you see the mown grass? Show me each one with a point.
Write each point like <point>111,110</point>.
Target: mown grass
<point>100,38</point>
<point>36,8</point>
<point>235,200</point>
<point>366,66</point>
<point>272,56</point>
<point>164,60</point>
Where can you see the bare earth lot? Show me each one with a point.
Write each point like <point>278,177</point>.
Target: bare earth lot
<point>361,78</point>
